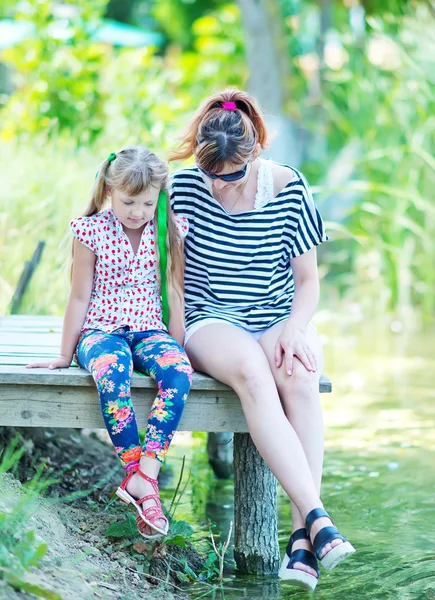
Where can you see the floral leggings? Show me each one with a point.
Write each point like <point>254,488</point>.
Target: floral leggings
<point>110,358</point>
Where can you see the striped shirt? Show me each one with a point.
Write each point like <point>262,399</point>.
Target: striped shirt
<point>238,265</point>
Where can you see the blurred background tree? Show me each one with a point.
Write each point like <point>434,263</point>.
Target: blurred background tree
<point>348,91</point>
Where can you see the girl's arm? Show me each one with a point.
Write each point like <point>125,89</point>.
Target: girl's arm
<point>77,306</point>
<point>292,339</point>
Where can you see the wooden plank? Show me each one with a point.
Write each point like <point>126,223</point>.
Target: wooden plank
<point>75,377</point>
<point>60,406</point>
<point>30,338</point>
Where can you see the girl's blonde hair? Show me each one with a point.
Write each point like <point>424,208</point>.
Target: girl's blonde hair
<point>217,135</point>
<point>134,170</point>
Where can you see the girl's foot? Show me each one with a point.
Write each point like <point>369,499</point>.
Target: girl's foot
<point>299,565</point>
<point>143,492</point>
<point>330,546</point>
<point>138,487</point>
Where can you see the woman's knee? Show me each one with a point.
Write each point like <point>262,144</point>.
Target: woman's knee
<point>301,384</point>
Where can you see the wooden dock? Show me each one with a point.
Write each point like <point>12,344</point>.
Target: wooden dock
<point>68,398</point>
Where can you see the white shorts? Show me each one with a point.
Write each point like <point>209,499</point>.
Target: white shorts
<point>196,326</point>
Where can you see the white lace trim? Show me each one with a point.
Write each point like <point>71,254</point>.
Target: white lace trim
<point>264,185</point>
<point>264,192</point>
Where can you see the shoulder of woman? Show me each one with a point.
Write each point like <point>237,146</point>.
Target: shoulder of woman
<point>185,172</point>
<point>282,175</point>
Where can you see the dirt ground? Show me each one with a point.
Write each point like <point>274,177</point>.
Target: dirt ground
<point>82,561</point>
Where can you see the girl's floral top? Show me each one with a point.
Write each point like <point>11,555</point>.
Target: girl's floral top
<point>126,288</point>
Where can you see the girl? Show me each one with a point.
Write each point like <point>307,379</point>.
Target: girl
<point>251,288</point>
<point>115,319</point>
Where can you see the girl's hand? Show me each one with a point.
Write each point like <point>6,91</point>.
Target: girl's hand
<point>58,363</point>
<point>292,342</point>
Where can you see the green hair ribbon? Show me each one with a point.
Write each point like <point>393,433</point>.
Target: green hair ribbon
<point>162,229</point>
<point>109,159</point>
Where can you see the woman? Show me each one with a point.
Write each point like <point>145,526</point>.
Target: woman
<point>251,288</point>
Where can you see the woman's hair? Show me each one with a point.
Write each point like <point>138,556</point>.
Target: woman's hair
<point>219,135</point>
<point>134,170</point>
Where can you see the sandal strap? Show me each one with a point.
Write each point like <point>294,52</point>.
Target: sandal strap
<point>299,534</point>
<point>305,557</point>
<point>153,513</point>
<point>154,497</point>
<point>312,516</point>
<point>152,481</point>
<point>125,481</point>
<point>325,536</point>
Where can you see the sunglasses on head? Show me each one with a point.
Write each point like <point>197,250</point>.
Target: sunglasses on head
<point>228,176</point>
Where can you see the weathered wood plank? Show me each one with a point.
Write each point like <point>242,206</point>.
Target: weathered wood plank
<point>62,406</point>
<point>75,377</point>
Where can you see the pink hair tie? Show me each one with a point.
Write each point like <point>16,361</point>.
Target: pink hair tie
<point>229,106</point>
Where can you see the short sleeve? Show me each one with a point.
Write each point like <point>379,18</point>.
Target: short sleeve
<point>84,231</point>
<point>310,230</point>
<point>182,225</point>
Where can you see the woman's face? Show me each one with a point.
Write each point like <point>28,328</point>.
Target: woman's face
<point>220,184</point>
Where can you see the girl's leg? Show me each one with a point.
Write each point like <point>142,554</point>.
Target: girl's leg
<point>300,399</point>
<point>108,358</point>
<point>160,356</point>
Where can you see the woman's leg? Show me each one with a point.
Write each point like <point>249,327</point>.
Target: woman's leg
<point>159,355</point>
<point>108,358</point>
<point>300,399</point>
<point>235,358</point>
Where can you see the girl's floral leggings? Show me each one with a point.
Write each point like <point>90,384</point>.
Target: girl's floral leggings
<point>110,358</point>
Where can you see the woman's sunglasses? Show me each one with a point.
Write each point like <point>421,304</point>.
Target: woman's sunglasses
<point>229,176</point>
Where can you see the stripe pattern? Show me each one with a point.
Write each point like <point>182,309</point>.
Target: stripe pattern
<point>238,266</point>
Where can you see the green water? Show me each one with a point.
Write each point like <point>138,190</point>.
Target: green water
<point>379,473</point>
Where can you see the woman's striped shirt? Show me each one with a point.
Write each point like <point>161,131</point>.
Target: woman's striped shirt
<point>238,265</point>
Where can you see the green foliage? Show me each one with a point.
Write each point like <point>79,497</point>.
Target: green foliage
<point>124,529</point>
<point>384,97</point>
<point>20,550</point>
<point>57,79</point>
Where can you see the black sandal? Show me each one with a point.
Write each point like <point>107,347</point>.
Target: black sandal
<point>325,536</point>
<point>287,571</point>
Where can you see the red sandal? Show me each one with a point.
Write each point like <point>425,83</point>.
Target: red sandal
<point>149,514</point>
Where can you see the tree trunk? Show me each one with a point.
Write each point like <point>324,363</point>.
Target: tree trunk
<point>220,453</point>
<point>256,549</point>
<point>269,79</point>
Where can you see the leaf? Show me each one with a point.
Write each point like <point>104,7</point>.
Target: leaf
<point>126,528</point>
<point>140,547</point>
<point>181,528</point>
<point>36,590</point>
<point>40,552</point>
<point>177,540</point>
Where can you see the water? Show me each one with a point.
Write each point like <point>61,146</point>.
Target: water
<point>379,475</point>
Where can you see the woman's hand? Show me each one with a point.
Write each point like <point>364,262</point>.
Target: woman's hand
<point>58,363</point>
<point>292,342</point>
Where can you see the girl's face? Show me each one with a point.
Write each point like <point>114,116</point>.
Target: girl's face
<point>134,211</point>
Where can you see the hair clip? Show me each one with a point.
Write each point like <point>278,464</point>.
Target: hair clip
<point>229,106</point>
<point>111,157</point>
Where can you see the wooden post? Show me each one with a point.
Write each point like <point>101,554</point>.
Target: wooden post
<point>256,549</point>
<point>220,453</point>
